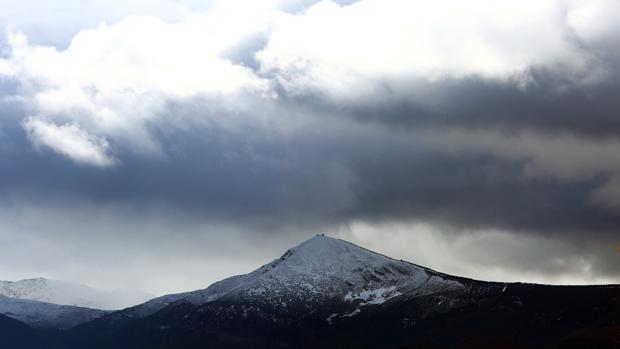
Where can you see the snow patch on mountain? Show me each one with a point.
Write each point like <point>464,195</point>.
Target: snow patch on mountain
<point>67,293</point>
<point>378,296</point>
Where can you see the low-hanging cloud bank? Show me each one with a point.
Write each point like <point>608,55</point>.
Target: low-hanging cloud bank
<point>309,116</point>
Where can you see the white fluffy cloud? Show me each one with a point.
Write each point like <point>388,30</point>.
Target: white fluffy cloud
<point>357,49</point>
<point>114,80</point>
<point>70,140</point>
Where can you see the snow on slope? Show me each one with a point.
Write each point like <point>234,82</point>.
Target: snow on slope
<point>46,315</point>
<point>319,269</point>
<point>66,293</point>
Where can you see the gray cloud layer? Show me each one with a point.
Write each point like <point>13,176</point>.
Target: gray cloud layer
<point>488,159</point>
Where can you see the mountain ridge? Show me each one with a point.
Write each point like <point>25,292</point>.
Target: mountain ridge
<point>331,293</point>
<point>42,315</point>
<point>306,273</point>
<point>73,294</point>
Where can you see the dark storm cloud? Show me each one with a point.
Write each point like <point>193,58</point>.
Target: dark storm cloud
<point>329,174</point>
<point>546,104</point>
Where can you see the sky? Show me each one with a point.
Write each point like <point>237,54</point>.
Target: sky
<point>163,145</point>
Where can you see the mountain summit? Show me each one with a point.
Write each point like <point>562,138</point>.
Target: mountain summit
<point>318,271</point>
<point>323,267</point>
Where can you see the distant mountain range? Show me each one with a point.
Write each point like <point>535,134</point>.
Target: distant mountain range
<point>67,293</point>
<point>52,304</point>
<point>329,293</point>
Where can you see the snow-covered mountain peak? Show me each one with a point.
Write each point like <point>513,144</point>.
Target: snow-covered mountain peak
<point>67,293</point>
<point>332,255</point>
<point>321,269</point>
<point>322,248</point>
<point>324,266</point>
<point>328,259</point>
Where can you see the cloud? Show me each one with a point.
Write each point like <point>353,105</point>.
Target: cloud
<point>70,140</point>
<point>485,127</point>
<point>118,80</point>
<point>55,23</point>
<point>486,254</point>
<point>371,45</point>
<point>608,194</point>
<point>114,80</point>
<point>563,157</point>
<point>125,246</point>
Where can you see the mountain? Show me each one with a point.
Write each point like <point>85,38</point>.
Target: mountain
<point>46,315</point>
<point>318,270</point>
<point>66,293</point>
<point>329,293</point>
<point>52,304</point>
